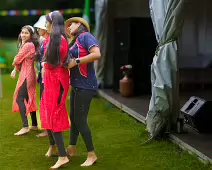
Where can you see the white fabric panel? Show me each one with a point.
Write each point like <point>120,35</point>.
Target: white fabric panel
<point>158,11</point>
<point>195,43</point>
<point>164,103</point>
<point>208,39</point>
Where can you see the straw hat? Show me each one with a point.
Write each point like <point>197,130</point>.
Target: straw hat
<point>76,19</point>
<point>41,23</point>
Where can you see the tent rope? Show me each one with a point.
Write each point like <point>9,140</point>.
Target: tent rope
<point>162,44</point>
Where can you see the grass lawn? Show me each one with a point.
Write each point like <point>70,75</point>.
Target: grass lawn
<point>117,139</point>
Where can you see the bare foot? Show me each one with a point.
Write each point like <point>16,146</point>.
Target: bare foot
<point>43,134</point>
<point>72,150</point>
<point>61,161</point>
<point>33,128</point>
<point>51,150</point>
<point>23,131</point>
<point>91,159</point>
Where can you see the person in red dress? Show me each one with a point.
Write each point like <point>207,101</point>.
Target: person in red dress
<point>24,100</point>
<point>53,112</point>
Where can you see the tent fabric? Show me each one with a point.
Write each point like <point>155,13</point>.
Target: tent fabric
<point>158,16</point>
<point>195,41</point>
<point>101,35</point>
<point>164,103</point>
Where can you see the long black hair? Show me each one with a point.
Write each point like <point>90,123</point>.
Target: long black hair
<point>33,38</point>
<point>80,30</point>
<point>52,55</point>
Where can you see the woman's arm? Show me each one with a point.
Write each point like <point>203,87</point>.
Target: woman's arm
<point>27,50</point>
<point>91,57</point>
<point>13,73</point>
<point>94,55</point>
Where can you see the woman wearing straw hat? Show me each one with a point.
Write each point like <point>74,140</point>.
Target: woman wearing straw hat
<point>84,50</point>
<point>42,31</point>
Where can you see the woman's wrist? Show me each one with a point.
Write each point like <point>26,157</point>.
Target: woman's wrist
<point>77,61</point>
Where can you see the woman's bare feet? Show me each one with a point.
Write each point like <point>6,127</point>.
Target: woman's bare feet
<point>91,159</point>
<point>72,150</point>
<point>23,131</point>
<point>61,161</point>
<point>51,150</point>
<point>43,134</point>
<point>33,128</point>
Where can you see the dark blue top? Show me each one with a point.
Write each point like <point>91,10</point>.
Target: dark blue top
<point>87,41</point>
<point>38,65</point>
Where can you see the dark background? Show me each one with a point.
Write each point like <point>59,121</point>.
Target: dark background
<point>10,26</point>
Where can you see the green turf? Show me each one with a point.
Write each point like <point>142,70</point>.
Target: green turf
<point>117,139</point>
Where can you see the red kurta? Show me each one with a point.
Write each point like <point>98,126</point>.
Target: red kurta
<point>25,60</point>
<point>54,116</point>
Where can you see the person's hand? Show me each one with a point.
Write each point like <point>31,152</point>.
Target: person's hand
<point>13,73</point>
<point>42,72</point>
<point>42,64</point>
<point>72,63</point>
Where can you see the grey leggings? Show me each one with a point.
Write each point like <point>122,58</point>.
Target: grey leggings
<point>57,137</point>
<point>80,103</point>
<point>23,95</point>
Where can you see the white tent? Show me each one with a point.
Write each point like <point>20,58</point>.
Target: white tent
<point>164,105</point>
<point>183,29</point>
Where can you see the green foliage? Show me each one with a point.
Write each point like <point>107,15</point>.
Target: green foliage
<point>8,50</point>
